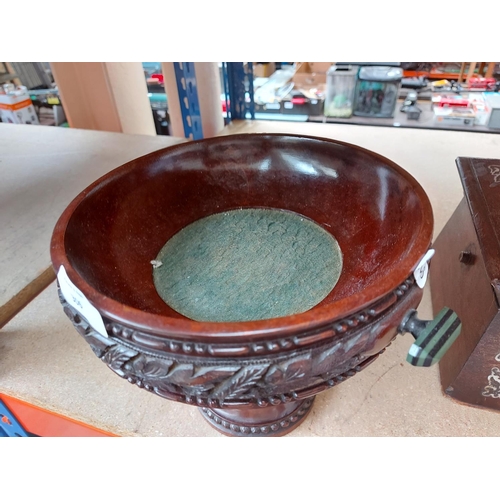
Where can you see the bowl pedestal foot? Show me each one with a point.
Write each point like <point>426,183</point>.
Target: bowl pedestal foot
<point>259,422</point>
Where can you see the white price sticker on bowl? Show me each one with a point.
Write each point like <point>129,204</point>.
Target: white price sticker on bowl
<point>78,301</point>
<point>422,270</point>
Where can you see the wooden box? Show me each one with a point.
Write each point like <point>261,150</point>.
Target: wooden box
<point>309,75</point>
<point>263,70</point>
<point>465,276</point>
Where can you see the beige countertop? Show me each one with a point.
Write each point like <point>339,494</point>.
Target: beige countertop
<point>44,361</point>
<point>42,169</point>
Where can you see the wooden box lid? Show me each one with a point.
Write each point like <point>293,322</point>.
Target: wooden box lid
<point>481,182</point>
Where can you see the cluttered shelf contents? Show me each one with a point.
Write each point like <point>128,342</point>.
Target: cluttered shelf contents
<point>30,95</point>
<point>375,94</point>
<point>446,96</point>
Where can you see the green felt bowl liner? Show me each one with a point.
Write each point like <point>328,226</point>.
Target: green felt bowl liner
<point>247,264</point>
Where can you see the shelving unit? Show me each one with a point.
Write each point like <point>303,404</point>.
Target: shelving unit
<point>238,97</point>
<point>459,72</point>
<point>400,120</point>
<point>464,71</point>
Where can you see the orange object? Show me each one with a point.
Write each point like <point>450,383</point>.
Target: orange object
<point>16,106</point>
<point>45,423</point>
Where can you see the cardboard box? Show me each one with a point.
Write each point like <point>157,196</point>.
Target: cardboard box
<point>16,107</point>
<point>320,67</point>
<point>492,100</point>
<point>263,70</point>
<point>310,75</point>
<point>455,116</point>
<point>481,109</point>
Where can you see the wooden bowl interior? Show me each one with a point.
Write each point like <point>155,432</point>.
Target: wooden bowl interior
<point>374,211</point>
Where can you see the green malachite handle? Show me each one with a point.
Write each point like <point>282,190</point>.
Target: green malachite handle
<point>432,338</point>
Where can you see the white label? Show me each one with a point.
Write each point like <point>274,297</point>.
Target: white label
<point>77,300</point>
<point>273,105</point>
<point>414,350</point>
<point>314,101</point>
<point>288,105</point>
<point>422,269</point>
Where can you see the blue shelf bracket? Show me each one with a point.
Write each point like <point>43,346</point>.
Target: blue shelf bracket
<point>9,426</point>
<point>188,98</point>
<point>238,87</point>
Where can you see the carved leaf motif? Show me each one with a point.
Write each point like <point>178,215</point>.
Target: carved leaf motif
<point>339,355</point>
<point>297,367</point>
<point>211,374</point>
<point>240,382</point>
<point>97,350</point>
<point>151,367</point>
<point>328,359</point>
<point>354,344</point>
<point>98,343</point>
<point>181,374</point>
<point>275,375</point>
<point>344,367</point>
<point>289,371</point>
<point>168,391</point>
<point>116,356</point>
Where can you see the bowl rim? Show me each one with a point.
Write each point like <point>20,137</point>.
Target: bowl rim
<point>190,330</point>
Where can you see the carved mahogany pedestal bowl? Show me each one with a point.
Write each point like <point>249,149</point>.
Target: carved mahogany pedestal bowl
<point>250,377</point>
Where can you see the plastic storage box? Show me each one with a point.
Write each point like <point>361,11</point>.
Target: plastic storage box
<point>377,91</point>
<point>454,116</point>
<point>493,102</point>
<point>340,86</point>
<point>16,105</point>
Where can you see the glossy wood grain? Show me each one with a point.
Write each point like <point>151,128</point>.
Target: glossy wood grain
<point>240,372</point>
<point>466,277</point>
<point>108,235</point>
